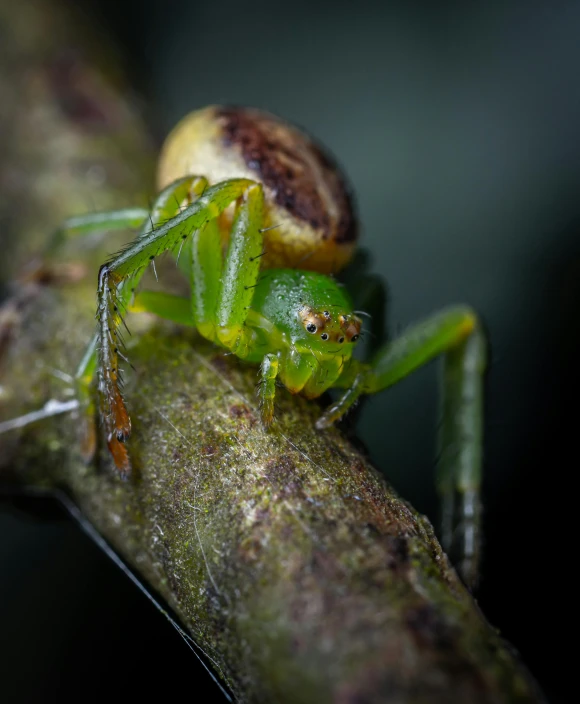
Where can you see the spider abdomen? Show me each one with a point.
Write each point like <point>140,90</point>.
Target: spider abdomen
<point>309,204</point>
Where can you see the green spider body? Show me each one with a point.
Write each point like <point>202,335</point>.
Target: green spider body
<point>283,299</point>
<point>257,232</point>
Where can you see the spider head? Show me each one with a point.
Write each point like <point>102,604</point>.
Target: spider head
<point>329,331</point>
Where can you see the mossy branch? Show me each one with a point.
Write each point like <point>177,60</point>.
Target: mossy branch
<point>284,553</point>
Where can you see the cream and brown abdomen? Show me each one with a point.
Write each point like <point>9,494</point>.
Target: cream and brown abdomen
<point>309,203</point>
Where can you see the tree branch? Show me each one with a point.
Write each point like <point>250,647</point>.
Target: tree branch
<point>284,553</point>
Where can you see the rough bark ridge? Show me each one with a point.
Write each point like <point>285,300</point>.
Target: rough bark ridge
<point>286,556</point>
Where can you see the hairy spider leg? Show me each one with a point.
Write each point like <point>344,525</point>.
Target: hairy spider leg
<point>113,276</point>
<point>167,204</point>
<point>222,292</point>
<point>456,333</point>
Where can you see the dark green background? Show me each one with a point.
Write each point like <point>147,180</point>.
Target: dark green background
<point>458,125</point>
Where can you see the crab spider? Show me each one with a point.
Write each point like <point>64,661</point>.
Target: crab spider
<point>259,215</point>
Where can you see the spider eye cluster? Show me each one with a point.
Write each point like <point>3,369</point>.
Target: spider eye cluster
<point>348,328</point>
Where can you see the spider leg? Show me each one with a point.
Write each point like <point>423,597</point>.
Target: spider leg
<point>222,288</point>
<point>114,294</point>
<point>267,387</point>
<point>240,273</point>
<point>166,206</point>
<point>459,466</point>
<point>164,305</point>
<point>205,277</point>
<point>456,333</point>
<point>125,219</point>
<point>222,293</point>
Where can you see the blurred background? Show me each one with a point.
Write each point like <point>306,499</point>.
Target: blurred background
<point>458,126</point>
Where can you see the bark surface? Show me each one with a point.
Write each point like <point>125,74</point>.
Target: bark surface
<point>284,553</point>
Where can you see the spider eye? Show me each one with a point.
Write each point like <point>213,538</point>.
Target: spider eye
<point>354,338</point>
<point>341,340</point>
<point>311,327</point>
<point>324,336</point>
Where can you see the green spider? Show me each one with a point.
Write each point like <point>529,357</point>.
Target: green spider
<point>258,231</point>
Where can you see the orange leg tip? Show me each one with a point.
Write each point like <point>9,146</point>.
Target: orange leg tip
<point>121,457</point>
<point>121,420</point>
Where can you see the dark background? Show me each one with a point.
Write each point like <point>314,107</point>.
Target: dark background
<point>458,125</point>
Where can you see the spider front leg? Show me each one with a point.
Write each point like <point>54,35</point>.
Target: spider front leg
<point>456,333</point>
<point>222,293</point>
<point>166,206</point>
<point>112,295</point>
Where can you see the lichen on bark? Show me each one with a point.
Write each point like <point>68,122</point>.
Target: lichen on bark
<point>284,553</point>
<point>295,567</point>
